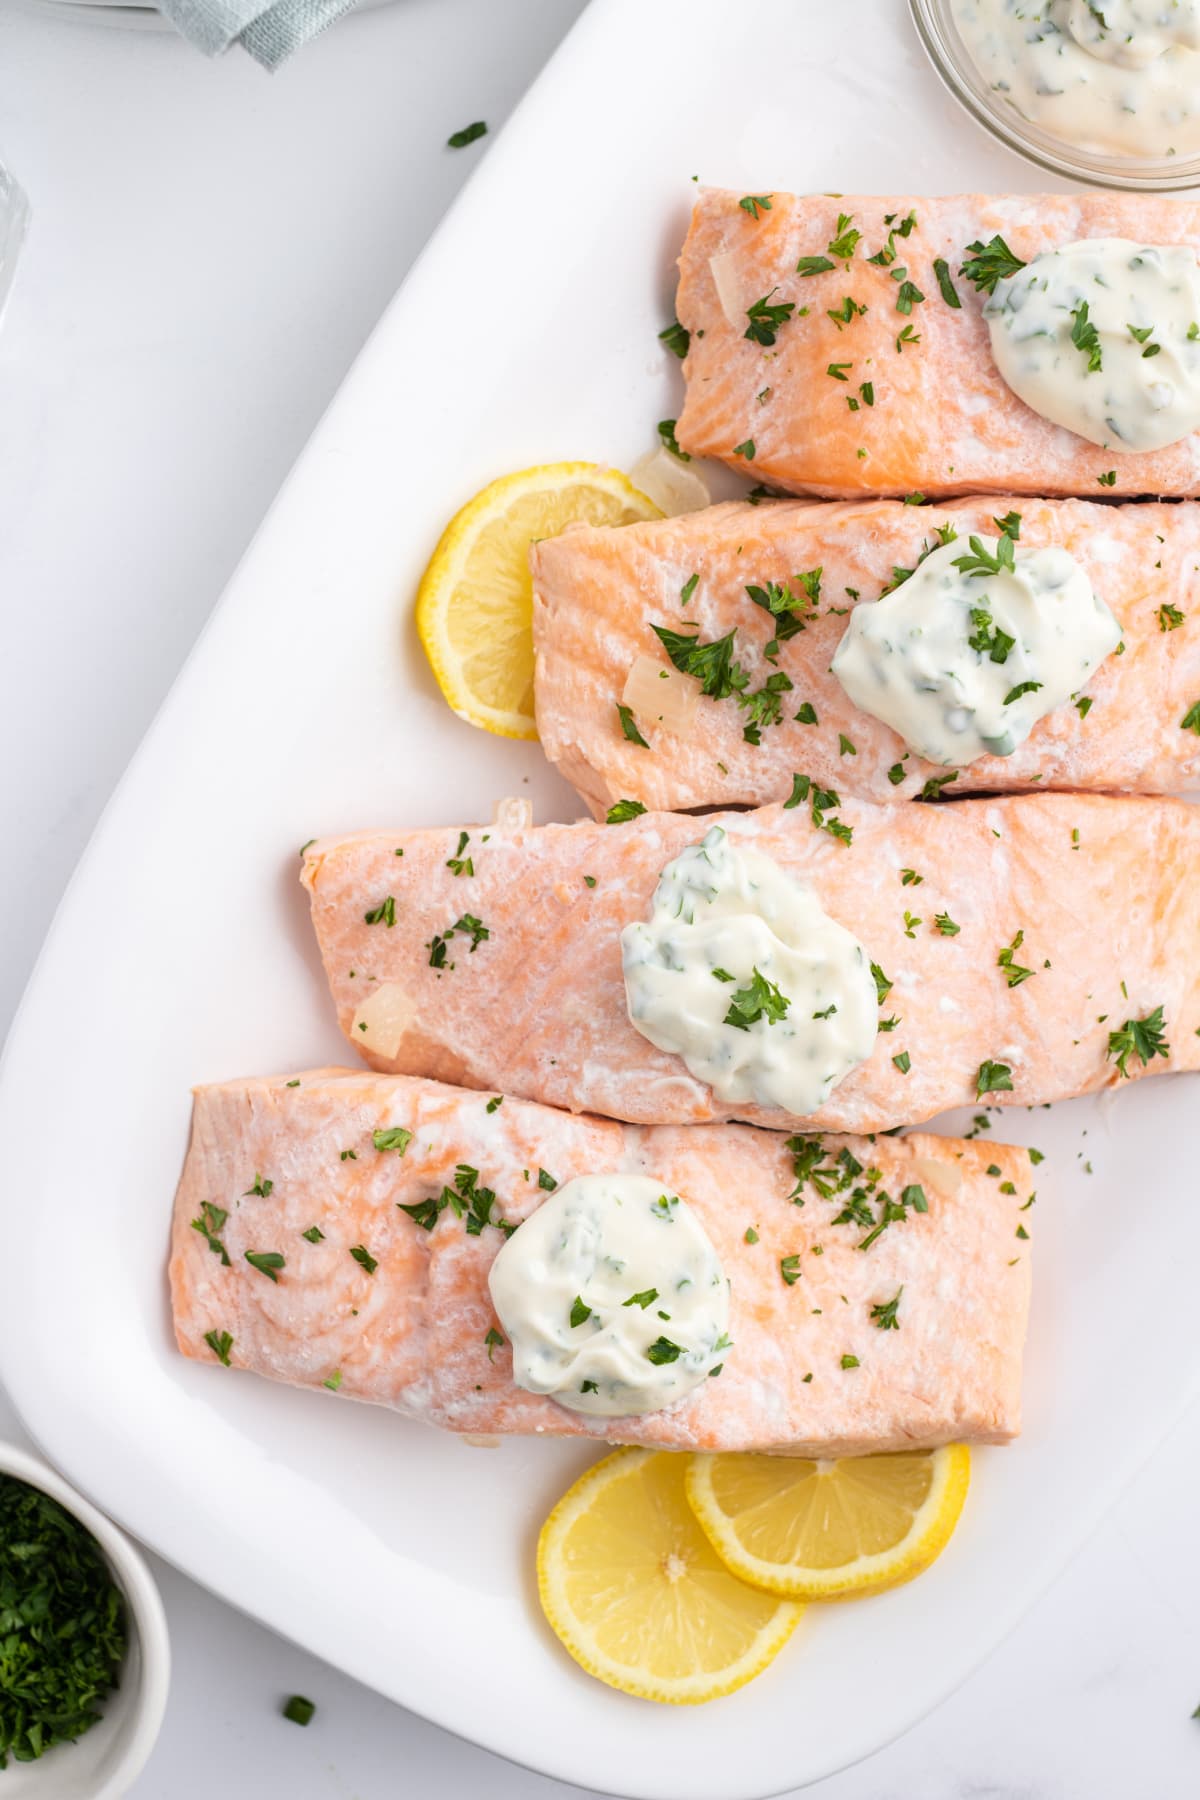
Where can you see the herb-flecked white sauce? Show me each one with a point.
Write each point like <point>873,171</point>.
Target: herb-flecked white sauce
<point>741,972</point>
<point>612,1297</point>
<point>1103,337</point>
<point>1121,77</point>
<point>979,643</point>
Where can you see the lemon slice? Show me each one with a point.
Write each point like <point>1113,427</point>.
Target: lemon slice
<point>475,602</point>
<point>830,1530</point>
<point>633,1589</point>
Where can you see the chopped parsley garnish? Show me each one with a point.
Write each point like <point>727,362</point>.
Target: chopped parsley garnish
<point>1191,719</point>
<point>623,811</point>
<point>993,1078</point>
<point>884,1315</point>
<point>1086,338</point>
<point>398,1138</point>
<point>666,431</point>
<point>945,924</point>
<point>842,315</point>
<point>822,801</point>
<point>808,1156</point>
<point>263,1186</point>
<point>760,1000</point>
<point>1143,1038</point>
<point>933,787</point>
<point>896,774</point>
<point>646,1298</point>
<point>789,1268</point>
<point>688,589</point>
<point>845,747</point>
<point>1139,336</point>
<point>711,663</point>
<point>210,1222</point>
<point>629,726</point>
<point>298,1709</point>
<point>546,1181</point>
<point>458,863</point>
<point>845,241</point>
<point>813,265</point>
<point>751,1236</point>
<point>470,926</point>
<point>1022,687</point>
<point>911,921</point>
<point>755,204</point>
<point>62,1629</point>
<point>986,264</point>
<point>662,1350</point>
<point>838,370</point>
<point>903,1062</point>
<point>220,1343</point>
<point>314,1234</point>
<point>941,269</point>
<point>676,339</point>
<point>497,1100</point>
<point>588,881</point>
<point>980,561</point>
<point>493,1340</point>
<point>807,715</point>
<point>1083,705</point>
<point>850,1362</point>
<point>333,1382</point>
<point>383,914</point>
<point>1108,480</point>
<point>909,294</point>
<point>363,1258</point>
<point>1014,974</point>
<point>910,878</point>
<point>914,1196</point>
<point>662,1207</point>
<point>746,449</point>
<point>1169,618</point>
<point>907,336</point>
<point>766,319</point>
<point>827,1013</point>
<point>787,609</point>
<point>580,1312</point>
<point>466,1200</point>
<point>883,986</point>
<point>267,1262</point>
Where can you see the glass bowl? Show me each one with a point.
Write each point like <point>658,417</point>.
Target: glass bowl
<point>938,32</point>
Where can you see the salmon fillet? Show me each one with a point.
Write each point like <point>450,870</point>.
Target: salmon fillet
<point>598,591</point>
<point>1104,890</point>
<point>411,1334</point>
<point>942,419</point>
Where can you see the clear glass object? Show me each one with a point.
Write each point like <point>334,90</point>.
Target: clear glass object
<point>940,35</point>
<point>14,220</point>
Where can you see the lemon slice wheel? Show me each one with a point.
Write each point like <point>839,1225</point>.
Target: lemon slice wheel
<point>829,1530</point>
<point>475,602</point>
<point>634,1590</point>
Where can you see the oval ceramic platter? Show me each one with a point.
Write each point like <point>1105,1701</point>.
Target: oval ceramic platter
<point>182,953</point>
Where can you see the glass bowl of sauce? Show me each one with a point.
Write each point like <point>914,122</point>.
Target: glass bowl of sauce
<point>1106,92</point>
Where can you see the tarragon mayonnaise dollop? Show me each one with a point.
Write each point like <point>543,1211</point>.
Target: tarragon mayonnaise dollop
<point>979,643</point>
<point>1121,77</point>
<point>1103,336</point>
<point>612,1297</point>
<point>741,972</point>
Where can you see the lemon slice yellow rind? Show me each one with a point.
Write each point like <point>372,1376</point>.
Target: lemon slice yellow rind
<point>634,1591</point>
<point>829,1531</point>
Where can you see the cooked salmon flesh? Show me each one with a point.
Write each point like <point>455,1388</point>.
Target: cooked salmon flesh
<point>491,957</point>
<point>349,1294</point>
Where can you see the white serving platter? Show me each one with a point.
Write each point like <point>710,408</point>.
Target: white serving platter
<point>182,953</point>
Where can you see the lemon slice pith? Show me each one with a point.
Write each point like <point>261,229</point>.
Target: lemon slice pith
<point>635,1592</point>
<point>829,1530</point>
<point>475,601</point>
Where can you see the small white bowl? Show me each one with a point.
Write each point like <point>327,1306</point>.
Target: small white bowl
<point>104,1763</point>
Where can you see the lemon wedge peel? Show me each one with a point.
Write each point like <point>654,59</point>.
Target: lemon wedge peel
<point>635,1593</point>
<point>790,1507</point>
<point>474,606</point>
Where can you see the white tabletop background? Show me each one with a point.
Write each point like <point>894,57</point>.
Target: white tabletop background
<point>210,247</point>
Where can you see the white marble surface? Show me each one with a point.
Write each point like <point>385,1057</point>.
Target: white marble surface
<point>210,247</point>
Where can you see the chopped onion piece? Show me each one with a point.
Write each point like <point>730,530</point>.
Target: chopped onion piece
<point>944,1178</point>
<point>673,486</point>
<point>383,1018</point>
<point>481,1440</point>
<point>662,696</point>
<point>513,814</point>
<point>729,291</point>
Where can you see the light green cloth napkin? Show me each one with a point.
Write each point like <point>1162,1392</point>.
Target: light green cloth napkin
<point>269,29</point>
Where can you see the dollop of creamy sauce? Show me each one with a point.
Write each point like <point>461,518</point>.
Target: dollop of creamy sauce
<point>741,972</point>
<point>1103,337</point>
<point>1121,77</point>
<point>978,644</point>
<point>612,1297</point>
